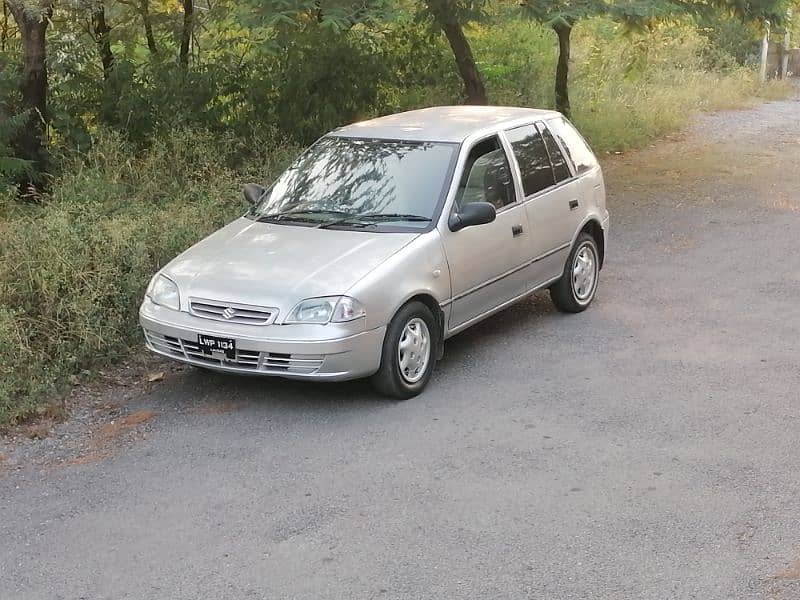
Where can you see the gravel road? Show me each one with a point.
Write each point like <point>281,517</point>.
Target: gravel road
<point>648,448</point>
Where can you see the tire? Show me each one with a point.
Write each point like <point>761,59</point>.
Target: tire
<point>574,292</point>
<point>413,322</point>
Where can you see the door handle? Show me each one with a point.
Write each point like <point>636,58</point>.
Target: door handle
<point>516,230</point>
<point>573,204</point>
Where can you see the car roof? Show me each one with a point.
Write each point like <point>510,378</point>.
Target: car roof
<point>442,123</point>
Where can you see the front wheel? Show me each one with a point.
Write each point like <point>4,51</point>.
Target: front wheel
<point>575,290</point>
<point>409,352</point>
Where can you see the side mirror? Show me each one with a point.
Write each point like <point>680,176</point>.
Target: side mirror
<point>474,213</point>
<point>253,192</point>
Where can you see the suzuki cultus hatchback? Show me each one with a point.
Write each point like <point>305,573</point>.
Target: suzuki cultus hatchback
<point>383,239</point>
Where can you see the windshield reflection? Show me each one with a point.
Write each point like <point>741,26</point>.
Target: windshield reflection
<point>339,177</point>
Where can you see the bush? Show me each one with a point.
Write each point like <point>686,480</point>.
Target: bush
<point>625,88</point>
<point>518,62</point>
<point>74,268</point>
<point>12,119</point>
<point>627,91</point>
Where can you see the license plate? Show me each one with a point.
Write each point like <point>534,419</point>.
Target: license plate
<point>212,345</point>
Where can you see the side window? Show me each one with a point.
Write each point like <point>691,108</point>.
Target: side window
<point>560,167</point>
<point>534,163</point>
<point>486,176</point>
<point>578,150</point>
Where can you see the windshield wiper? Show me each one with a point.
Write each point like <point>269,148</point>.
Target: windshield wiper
<point>291,215</point>
<point>394,217</point>
<point>370,219</point>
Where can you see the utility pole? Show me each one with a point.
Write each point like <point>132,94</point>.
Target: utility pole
<point>787,38</point>
<point>785,55</point>
<point>764,51</point>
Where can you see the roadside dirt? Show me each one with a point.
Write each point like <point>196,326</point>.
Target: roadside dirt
<point>93,419</point>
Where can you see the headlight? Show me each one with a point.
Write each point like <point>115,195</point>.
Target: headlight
<point>330,309</point>
<point>164,292</point>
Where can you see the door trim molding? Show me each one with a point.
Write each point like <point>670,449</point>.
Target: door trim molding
<point>508,273</point>
<point>498,308</point>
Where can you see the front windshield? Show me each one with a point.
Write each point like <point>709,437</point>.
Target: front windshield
<point>358,182</point>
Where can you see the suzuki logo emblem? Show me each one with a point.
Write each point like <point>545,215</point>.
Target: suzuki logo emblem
<point>229,313</point>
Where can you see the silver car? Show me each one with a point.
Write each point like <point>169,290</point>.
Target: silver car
<point>384,239</point>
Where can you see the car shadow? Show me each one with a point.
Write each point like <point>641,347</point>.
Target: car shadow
<point>280,391</point>
<point>463,351</point>
<point>525,316</point>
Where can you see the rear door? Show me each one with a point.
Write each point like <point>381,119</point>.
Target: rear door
<point>487,261</point>
<point>583,162</point>
<point>552,199</point>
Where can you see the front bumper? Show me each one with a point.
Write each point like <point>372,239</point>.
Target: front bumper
<point>325,352</point>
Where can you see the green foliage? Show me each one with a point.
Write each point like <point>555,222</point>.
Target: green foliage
<point>629,90</point>
<point>73,269</point>
<point>419,68</point>
<point>518,62</point>
<point>302,79</point>
<point>568,12</point>
<point>729,37</point>
<point>11,167</point>
<point>323,89</point>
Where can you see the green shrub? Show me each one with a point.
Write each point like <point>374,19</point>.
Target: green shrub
<point>625,88</point>
<point>74,268</point>
<point>629,90</point>
<point>420,69</point>
<point>518,61</point>
<point>12,119</point>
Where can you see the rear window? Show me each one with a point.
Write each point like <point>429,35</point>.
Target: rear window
<point>578,150</point>
<point>532,157</point>
<point>560,168</point>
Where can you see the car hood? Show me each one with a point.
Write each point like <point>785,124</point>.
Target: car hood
<point>272,265</point>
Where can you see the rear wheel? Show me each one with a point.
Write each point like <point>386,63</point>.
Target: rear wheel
<point>575,290</point>
<point>408,355</point>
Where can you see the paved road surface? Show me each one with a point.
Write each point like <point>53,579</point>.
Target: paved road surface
<point>646,449</point>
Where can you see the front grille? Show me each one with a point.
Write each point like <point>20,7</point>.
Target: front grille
<point>232,313</point>
<point>251,360</point>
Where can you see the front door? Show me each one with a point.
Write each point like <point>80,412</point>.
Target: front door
<point>487,261</point>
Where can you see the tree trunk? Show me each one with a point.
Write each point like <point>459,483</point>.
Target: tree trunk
<point>102,35</point>
<point>144,9</point>
<point>30,140</point>
<point>563,32</point>
<point>445,16</point>
<point>4,28</point>
<point>186,33</point>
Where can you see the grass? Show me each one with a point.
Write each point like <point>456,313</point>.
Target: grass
<point>73,268</point>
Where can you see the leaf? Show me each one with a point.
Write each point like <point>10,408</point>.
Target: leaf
<point>153,377</point>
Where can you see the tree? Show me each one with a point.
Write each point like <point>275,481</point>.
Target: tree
<point>5,29</point>
<point>447,15</point>
<point>32,19</point>
<point>142,7</point>
<point>561,16</point>
<point>186,33</point>
<point>102,37</point>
